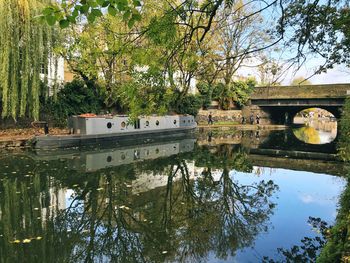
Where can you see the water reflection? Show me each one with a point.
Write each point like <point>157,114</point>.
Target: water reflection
<point>176,208</point>
<point>316,131</point>
<point>172,201</point>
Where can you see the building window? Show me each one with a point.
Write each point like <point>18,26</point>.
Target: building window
<point>174,121</point>
<point>147,123</point>
<point>109,125</point>
<point>123,124</point>
<point>43,69</point>
<point>157,123</point>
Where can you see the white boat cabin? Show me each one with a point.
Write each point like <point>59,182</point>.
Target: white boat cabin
<point>103,124</point>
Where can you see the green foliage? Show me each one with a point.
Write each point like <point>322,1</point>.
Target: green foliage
<point>338,244</point>
<point>206,92</point>
<point>337,248</point>
<point>223,95</point>
<point>67,12</point>
<point>188,104</point>
<point>25,47</point>
<point>162,31</point>
<point>146,93</point>
<point>320,27</point>
<point>237,92</point>
<point>242,91</point>
<point>344,140</point>
<point>75,98</point>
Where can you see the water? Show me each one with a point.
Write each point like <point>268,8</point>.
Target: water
<point>220,197</point>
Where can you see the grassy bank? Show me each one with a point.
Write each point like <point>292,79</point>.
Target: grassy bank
<point>337,248</point>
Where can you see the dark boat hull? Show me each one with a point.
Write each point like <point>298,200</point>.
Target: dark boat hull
<point>113,140</point>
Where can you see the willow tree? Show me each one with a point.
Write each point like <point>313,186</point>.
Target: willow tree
<point>25,45</point>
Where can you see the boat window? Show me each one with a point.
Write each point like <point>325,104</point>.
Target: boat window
<point>174,121</point>
<point>188,121</point>
<point>137,124</point>
<point>157,122</point>
<point>109,125</point>
<point>147,123</point>
<point>109,159</point>
<point>184,121</point>
<point>123,124</point>
<point>136,154</point>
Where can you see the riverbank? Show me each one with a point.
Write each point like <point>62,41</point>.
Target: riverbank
<point>14,138</point>
<point>337,248</point>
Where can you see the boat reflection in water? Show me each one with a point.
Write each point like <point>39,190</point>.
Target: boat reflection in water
<point>94,159</point>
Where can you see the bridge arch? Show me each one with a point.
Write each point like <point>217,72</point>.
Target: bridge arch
<point>286,114</point>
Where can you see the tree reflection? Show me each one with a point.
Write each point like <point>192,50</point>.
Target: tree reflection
<point>199,209</point>
<point>309,249</point>
<point>307,134</point>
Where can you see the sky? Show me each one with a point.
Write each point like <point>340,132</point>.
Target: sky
<point>339,74</point>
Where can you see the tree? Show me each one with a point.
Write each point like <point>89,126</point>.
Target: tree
<point>100,54</point>
<point>170,39</point>
<point>237,92</point>
<point>270,71</point>
<point>25,50</point>
<point>232,39</point>
<point>316,26</point>
<point>300,81</point>
<point>321,28</point>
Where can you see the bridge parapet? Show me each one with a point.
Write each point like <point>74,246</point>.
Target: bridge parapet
<point>302,92</point>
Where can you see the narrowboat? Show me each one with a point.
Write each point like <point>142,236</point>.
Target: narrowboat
<point>117,130</point>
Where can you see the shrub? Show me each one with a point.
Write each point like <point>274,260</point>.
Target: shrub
<point>188,104</point>
<point>223,95</point>
<point>206,92</point>
<point>242,91</point>
<point>75,98</point>
<point>344,140</point>
<point>236,92</point>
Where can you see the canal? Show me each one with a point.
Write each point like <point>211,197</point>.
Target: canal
<point>220,196</point>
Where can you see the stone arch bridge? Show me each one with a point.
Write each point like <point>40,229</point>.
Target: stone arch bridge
<point>279,104</point>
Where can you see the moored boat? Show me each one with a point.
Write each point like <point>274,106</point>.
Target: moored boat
<point>112,130</point>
